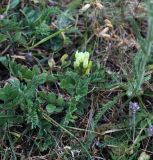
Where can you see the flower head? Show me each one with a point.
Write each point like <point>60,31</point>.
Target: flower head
<point>82,60</point>
<point>2,17</point>
<point>134,106</point>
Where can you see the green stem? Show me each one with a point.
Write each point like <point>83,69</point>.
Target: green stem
<point>48,38</point>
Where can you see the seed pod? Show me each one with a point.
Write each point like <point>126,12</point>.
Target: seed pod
<point>85,7</point>
<point>99,5</point>
<point>51,62</point>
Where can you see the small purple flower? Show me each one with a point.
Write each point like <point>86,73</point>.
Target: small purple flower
<point>29,56</point>
<point>134,106</point>
<point>150,130</point>
<point>2,17</point>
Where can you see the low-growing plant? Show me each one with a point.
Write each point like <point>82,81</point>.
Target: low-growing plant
<point>64,93</point>
<point>142,57</point>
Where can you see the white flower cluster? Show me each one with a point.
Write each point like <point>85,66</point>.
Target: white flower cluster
<point>82,58</point>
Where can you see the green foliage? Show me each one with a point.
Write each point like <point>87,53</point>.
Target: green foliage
<point>74,107</point>
<point>22,93</point>
<point>18,70</point>
<point>77,87</point>
<point>74,4</point>
<point>17,94</point>
<point>74,84</point>
<point>33,25</point>
<point>103,109</point>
